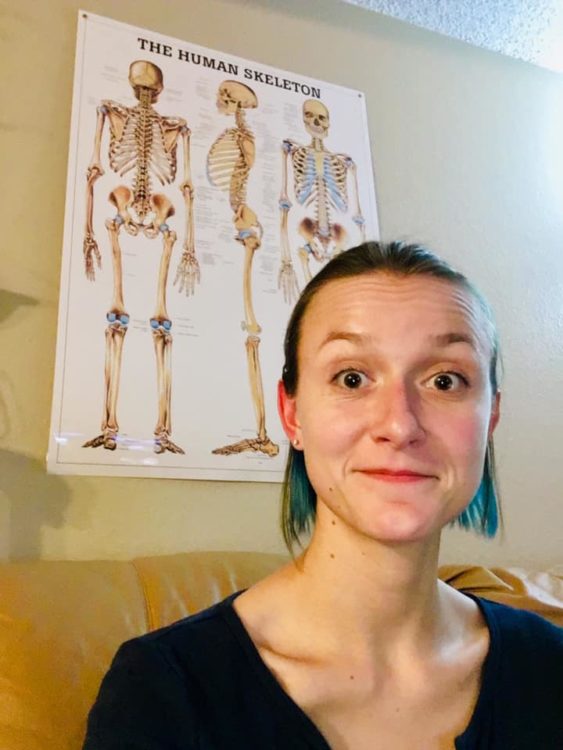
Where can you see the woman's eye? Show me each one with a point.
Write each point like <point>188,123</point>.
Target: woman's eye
<point>351,379</point>
<point>448,381</point>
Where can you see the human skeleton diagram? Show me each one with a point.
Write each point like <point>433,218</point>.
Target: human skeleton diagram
<point>229,162</point>
<point>143,145</point>
<point>320,181</point>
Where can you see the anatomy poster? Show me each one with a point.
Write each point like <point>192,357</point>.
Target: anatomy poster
<point>204,190</point>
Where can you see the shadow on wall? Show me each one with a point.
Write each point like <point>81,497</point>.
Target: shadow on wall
<point>10,301</point>
<point>30,499</point>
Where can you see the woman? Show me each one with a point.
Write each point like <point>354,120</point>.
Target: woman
<point>389,398</point>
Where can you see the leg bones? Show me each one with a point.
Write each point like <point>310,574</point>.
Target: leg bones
<point>117,322</point>
<point>262,443</point>
<point>161,326</point>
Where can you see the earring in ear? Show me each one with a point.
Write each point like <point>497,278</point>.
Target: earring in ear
<point>295,442</point>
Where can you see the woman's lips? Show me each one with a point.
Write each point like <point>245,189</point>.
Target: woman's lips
<point>394,475</point>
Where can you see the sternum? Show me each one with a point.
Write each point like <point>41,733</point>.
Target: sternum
<point>323,218</point>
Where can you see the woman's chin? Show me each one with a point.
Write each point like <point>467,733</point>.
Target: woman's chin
<point>401,523</point>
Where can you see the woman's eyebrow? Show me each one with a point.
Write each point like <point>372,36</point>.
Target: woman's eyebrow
<point>354,338</point>
<point>454,337</point>
<point>440,339</point>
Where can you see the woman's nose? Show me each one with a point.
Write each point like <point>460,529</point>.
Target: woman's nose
<point>396,416</point>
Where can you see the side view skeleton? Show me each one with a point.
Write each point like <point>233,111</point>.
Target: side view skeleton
<point>144,143</point>
<point>319,180</point>
<point>229,162</point>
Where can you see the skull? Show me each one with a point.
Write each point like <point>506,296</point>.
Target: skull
<point>316,118</point>
<point>145,75</point>
<point>232,95</point>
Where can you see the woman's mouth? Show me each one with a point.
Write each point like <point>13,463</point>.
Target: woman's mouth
<point>396,475</point>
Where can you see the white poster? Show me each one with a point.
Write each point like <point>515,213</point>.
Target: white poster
<point>203,191</point>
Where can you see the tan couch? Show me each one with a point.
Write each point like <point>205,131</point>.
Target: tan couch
<point>61,623</point>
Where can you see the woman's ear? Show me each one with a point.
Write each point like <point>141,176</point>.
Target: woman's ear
<point>495,413</point>
<point>287,409</point>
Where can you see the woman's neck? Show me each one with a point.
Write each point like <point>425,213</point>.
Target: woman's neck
<point>367,598</point>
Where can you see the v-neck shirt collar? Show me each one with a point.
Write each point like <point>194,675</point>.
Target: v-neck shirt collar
<point>286,705</point>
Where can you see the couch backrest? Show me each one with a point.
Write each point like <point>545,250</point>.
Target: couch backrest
<point>61,623</point>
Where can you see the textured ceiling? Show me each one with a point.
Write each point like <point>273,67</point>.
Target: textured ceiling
<point>530,30</point>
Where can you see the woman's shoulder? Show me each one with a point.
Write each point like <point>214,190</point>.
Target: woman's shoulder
<point>203,635</point>
<point>521,679</point>
<point>156,681</point>
<point>525,647</point>
<point>517,623</point>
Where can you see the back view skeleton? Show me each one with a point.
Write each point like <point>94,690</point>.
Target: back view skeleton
<point>144,143</point>
<point>319,180</point>
<point>229,162</point>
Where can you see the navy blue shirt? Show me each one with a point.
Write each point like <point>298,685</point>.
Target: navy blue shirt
<point>201,684</point>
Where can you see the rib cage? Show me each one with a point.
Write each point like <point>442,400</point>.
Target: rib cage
<point>141,147</point>
<point>227,168</point>
<point>325,188</point>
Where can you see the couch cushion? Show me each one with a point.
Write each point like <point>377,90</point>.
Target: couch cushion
<point>179,585</point>
<point>60,624</point>
<point>540,592</point>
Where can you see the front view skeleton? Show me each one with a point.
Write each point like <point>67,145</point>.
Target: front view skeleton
<point>144,143</point>
<point>319,179</point>
<point>229,162</point>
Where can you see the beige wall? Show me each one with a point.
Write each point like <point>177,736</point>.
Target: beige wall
<point>468,156</point>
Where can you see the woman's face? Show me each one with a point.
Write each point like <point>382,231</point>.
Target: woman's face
<point>393,407</point>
